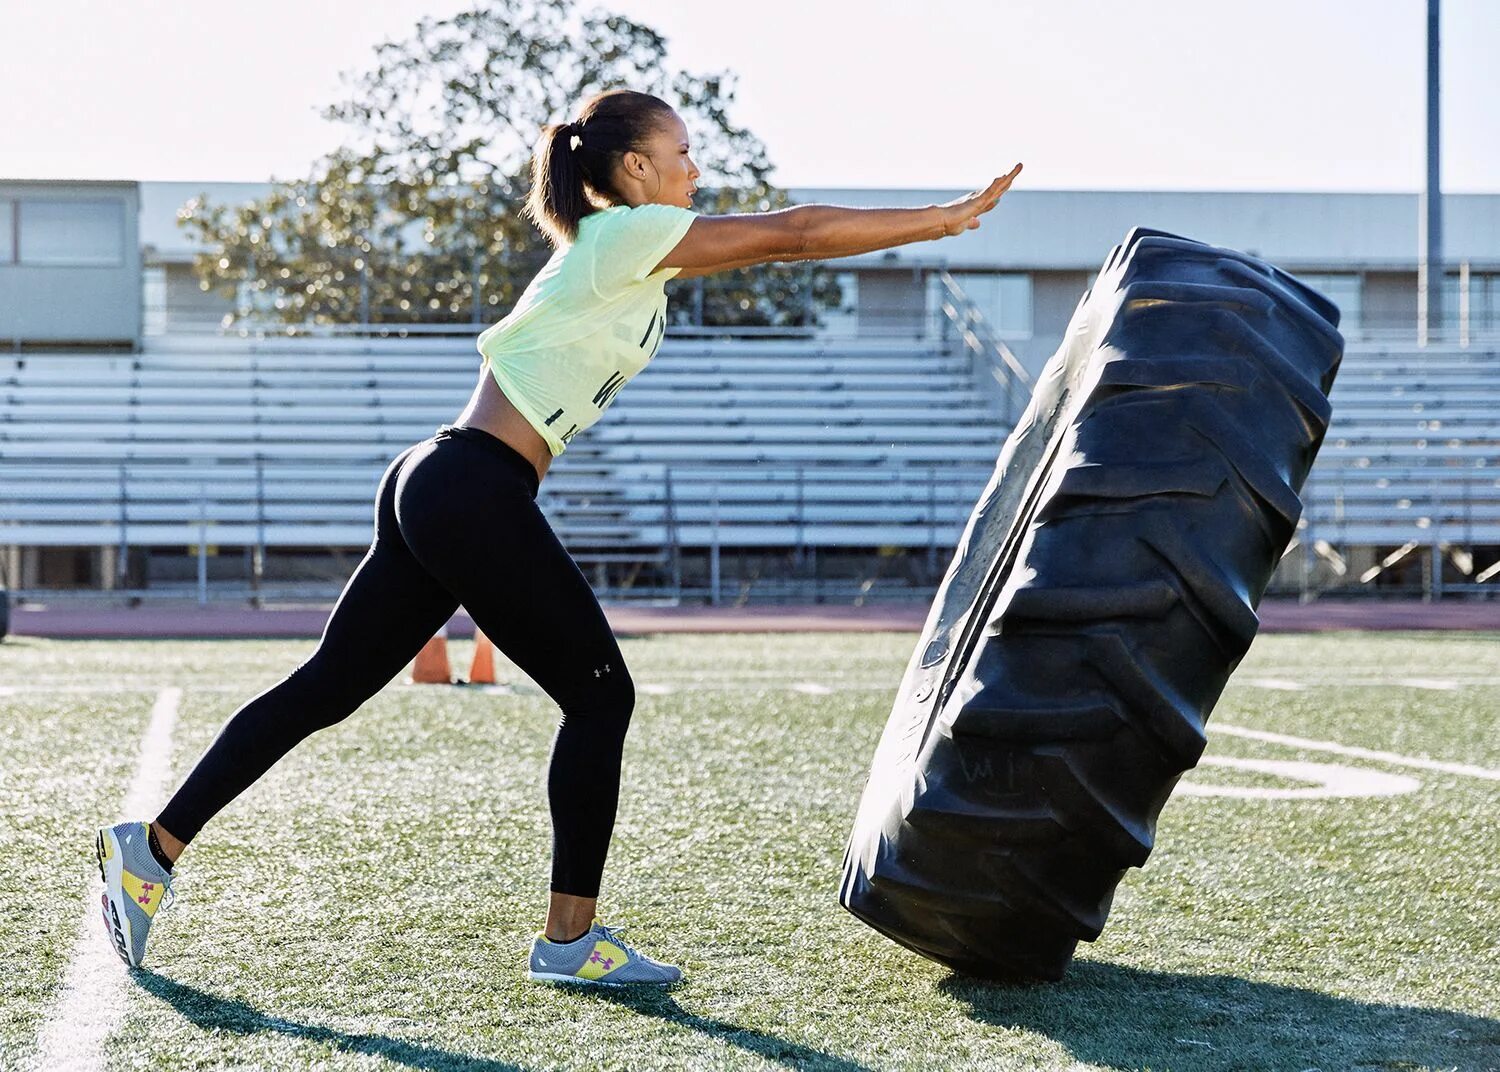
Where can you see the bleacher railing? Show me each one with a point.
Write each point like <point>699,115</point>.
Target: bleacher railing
<point>996,368</point>
<point>1434,528</point>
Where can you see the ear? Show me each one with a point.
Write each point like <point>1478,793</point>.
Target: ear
<point>633,163</point>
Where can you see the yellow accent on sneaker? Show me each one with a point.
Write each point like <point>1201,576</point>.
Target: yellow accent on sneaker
<point>146,895</point>
<point>606,957</point>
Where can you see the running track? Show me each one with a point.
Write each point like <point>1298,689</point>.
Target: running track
<point>192,620</point>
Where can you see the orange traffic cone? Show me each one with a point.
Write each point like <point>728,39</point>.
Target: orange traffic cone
<point>431,666</point>
<point>482,669</point>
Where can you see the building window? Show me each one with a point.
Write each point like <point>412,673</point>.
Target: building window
<point>1003,298</point>
<point>1341,288</point>
<point>77,234</point>
<point>7,232</point>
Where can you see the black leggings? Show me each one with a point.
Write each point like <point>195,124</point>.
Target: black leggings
<point>456,521</point>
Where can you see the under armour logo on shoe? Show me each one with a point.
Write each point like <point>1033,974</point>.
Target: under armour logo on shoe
<point>145,897</point>
<point>607,962</point>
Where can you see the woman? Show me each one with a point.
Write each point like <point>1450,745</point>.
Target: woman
<point>456,520</point>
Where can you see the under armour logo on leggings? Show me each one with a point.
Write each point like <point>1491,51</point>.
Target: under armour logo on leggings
<point>604,671</point>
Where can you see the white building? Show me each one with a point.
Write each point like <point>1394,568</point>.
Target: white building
<point>69,273</point>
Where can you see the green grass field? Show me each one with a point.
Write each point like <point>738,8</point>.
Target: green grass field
<point>370,902</point>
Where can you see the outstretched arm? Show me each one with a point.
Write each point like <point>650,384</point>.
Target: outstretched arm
<point>821,232</point>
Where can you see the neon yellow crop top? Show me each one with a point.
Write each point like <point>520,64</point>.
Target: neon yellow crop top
<point>588,322</point>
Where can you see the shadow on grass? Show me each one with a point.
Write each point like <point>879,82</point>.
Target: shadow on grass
<point>658,1003</point>
<point>215,1014</point>
<point>1124,1018</point>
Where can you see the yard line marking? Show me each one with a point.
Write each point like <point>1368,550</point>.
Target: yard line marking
<point>1455,680</point>
<point>110,686</point>
<point>1276,683</point>
<point>1326,780</point>
<point>1315,681</point>
<point>812,688</point>
<point>1358,753</point>
<point>1428,683</point>
<point>651,688</point>
<point>93,1000</point>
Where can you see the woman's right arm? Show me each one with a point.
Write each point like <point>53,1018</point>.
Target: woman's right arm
<point>816,232</point>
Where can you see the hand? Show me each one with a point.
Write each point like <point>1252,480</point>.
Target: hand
<point>963,214</point>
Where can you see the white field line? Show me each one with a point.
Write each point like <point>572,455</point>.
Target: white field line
<point>812,688</point>
<point>40,688</point>
<point>1327,780</point>
<point>1359,753</point>
<point>1333,681</point>
<point>93,1000</point>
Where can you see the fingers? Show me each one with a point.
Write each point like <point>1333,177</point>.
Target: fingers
<point>991,195</point>
<point>1006,179</point>
<point>1000,181</point>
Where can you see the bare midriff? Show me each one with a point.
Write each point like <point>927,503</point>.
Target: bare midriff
<point>490,410</point>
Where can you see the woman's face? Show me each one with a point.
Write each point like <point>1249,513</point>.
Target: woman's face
<point>671,159</point>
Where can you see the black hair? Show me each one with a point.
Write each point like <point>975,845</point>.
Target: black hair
<point>609,125</point>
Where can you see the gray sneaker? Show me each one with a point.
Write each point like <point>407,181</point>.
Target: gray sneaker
<point>133,887</point>
<point>600,957</point>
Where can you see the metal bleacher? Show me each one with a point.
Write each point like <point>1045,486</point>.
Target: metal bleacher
<point>1410,464</point>
<point>279,442</point>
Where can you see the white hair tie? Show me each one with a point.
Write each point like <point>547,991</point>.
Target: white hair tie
<point>574,142</point>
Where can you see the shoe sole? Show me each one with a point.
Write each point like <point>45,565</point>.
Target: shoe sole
<point>112,901</point>
<point>578,980</point>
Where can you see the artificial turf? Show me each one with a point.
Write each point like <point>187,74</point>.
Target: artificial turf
<point>369,903</point>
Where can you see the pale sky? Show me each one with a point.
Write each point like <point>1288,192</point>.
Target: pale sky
<point>1089,94</point>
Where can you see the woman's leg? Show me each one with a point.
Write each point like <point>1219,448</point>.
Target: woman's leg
<point>470,519</point>
<point>389,608</point>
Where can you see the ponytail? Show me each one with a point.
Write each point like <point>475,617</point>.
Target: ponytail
<point>572,159</point>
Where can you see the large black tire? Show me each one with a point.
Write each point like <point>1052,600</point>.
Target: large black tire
<point>1101,595</point>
